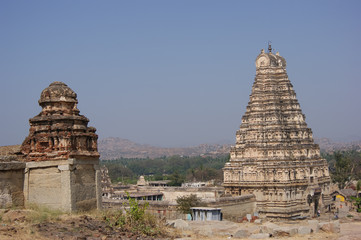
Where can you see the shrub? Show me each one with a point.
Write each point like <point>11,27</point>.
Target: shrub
<point>135,219</point>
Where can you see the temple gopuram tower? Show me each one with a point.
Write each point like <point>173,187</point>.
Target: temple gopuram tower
<point>275,157</point>
<point>62,161</point>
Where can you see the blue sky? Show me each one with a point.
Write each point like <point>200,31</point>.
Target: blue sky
<point>178,73</point>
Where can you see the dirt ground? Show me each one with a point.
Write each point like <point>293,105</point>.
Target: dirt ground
<point>16,224</point>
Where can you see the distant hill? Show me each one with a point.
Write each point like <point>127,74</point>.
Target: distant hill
<point>327,145</point>
<point>113,148</point>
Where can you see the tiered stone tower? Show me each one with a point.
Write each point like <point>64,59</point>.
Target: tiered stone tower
<point>59,132</point>
<point>275,157</point>
<point>62,160</point>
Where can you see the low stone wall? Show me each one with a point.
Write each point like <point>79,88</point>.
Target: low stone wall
<point>235,208</point>
<point>170,194</point>
<point>11,184</point>
<point>161,209</point>
<point>232,208</point>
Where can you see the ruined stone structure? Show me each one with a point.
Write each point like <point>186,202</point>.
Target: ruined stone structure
<point>11,177</point>
<point>59,132</point>
<point>275,157</point>
<point>62,161</point>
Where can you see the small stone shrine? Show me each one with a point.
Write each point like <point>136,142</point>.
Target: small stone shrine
<point>61,156</point>
<point>275,157</point>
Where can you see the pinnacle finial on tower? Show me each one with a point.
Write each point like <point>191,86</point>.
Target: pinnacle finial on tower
<point>269,47</point>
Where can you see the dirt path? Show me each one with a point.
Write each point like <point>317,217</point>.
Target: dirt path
<point>350,231</point>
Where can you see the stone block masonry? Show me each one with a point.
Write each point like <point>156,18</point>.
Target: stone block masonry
<point>69,185</point>
<point>11,184</point>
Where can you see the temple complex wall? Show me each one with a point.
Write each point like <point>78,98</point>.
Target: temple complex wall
<point>235,208</point>
<point>232,208</point>
<point>206,194</point>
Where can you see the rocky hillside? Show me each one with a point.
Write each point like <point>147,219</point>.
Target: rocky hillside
<point>113,148</point>
<point>327,145</point>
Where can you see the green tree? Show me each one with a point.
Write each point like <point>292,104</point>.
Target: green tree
<point>185,203</point>
<point>342,169</point>
<point>357,203</point>
<point>176,179</point>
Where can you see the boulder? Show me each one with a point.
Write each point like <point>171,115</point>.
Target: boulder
<point>259,236</point>
<point>258,221</point>
<point>268,227</point>
<point>285,231</point>
<point>313,224</point>
<point>302,230</point>
<point>332,227</point>
<point>242,234</point>
<point>180,224</point>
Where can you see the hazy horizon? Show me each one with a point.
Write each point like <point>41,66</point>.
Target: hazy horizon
<point>178,73</point>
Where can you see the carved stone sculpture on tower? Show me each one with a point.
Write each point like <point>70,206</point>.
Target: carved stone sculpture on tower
<point>275,157</point>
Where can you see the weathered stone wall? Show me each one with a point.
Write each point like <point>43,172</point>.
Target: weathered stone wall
<point>160,209</point>
<point>171,193</point>
<point>84,187</point>
<point>11,184</point>
<point>232,208</point>
<point>70,185</point>
<point>235,208</point>
<point>44,187</point>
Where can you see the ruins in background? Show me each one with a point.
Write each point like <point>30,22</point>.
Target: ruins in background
<point>275,157</point>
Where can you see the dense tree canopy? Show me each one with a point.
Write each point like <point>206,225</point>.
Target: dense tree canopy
<point>344,166</point>
<point>175,168</point>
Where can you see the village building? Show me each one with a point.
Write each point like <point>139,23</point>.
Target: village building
<point>275,157</point>
<point>206,214</point>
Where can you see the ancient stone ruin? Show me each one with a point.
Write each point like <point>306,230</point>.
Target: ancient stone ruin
<point>11,177</point>
<point>59,132</point>
<point>275,157</point>
<point>60,158</point>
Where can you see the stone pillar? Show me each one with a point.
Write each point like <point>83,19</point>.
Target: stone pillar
<point>26,185</point>
<point>98,184</point>
<point>67,203</point>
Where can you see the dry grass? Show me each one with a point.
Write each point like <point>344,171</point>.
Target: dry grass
<point>39,222</point>
<point>39,214</point>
